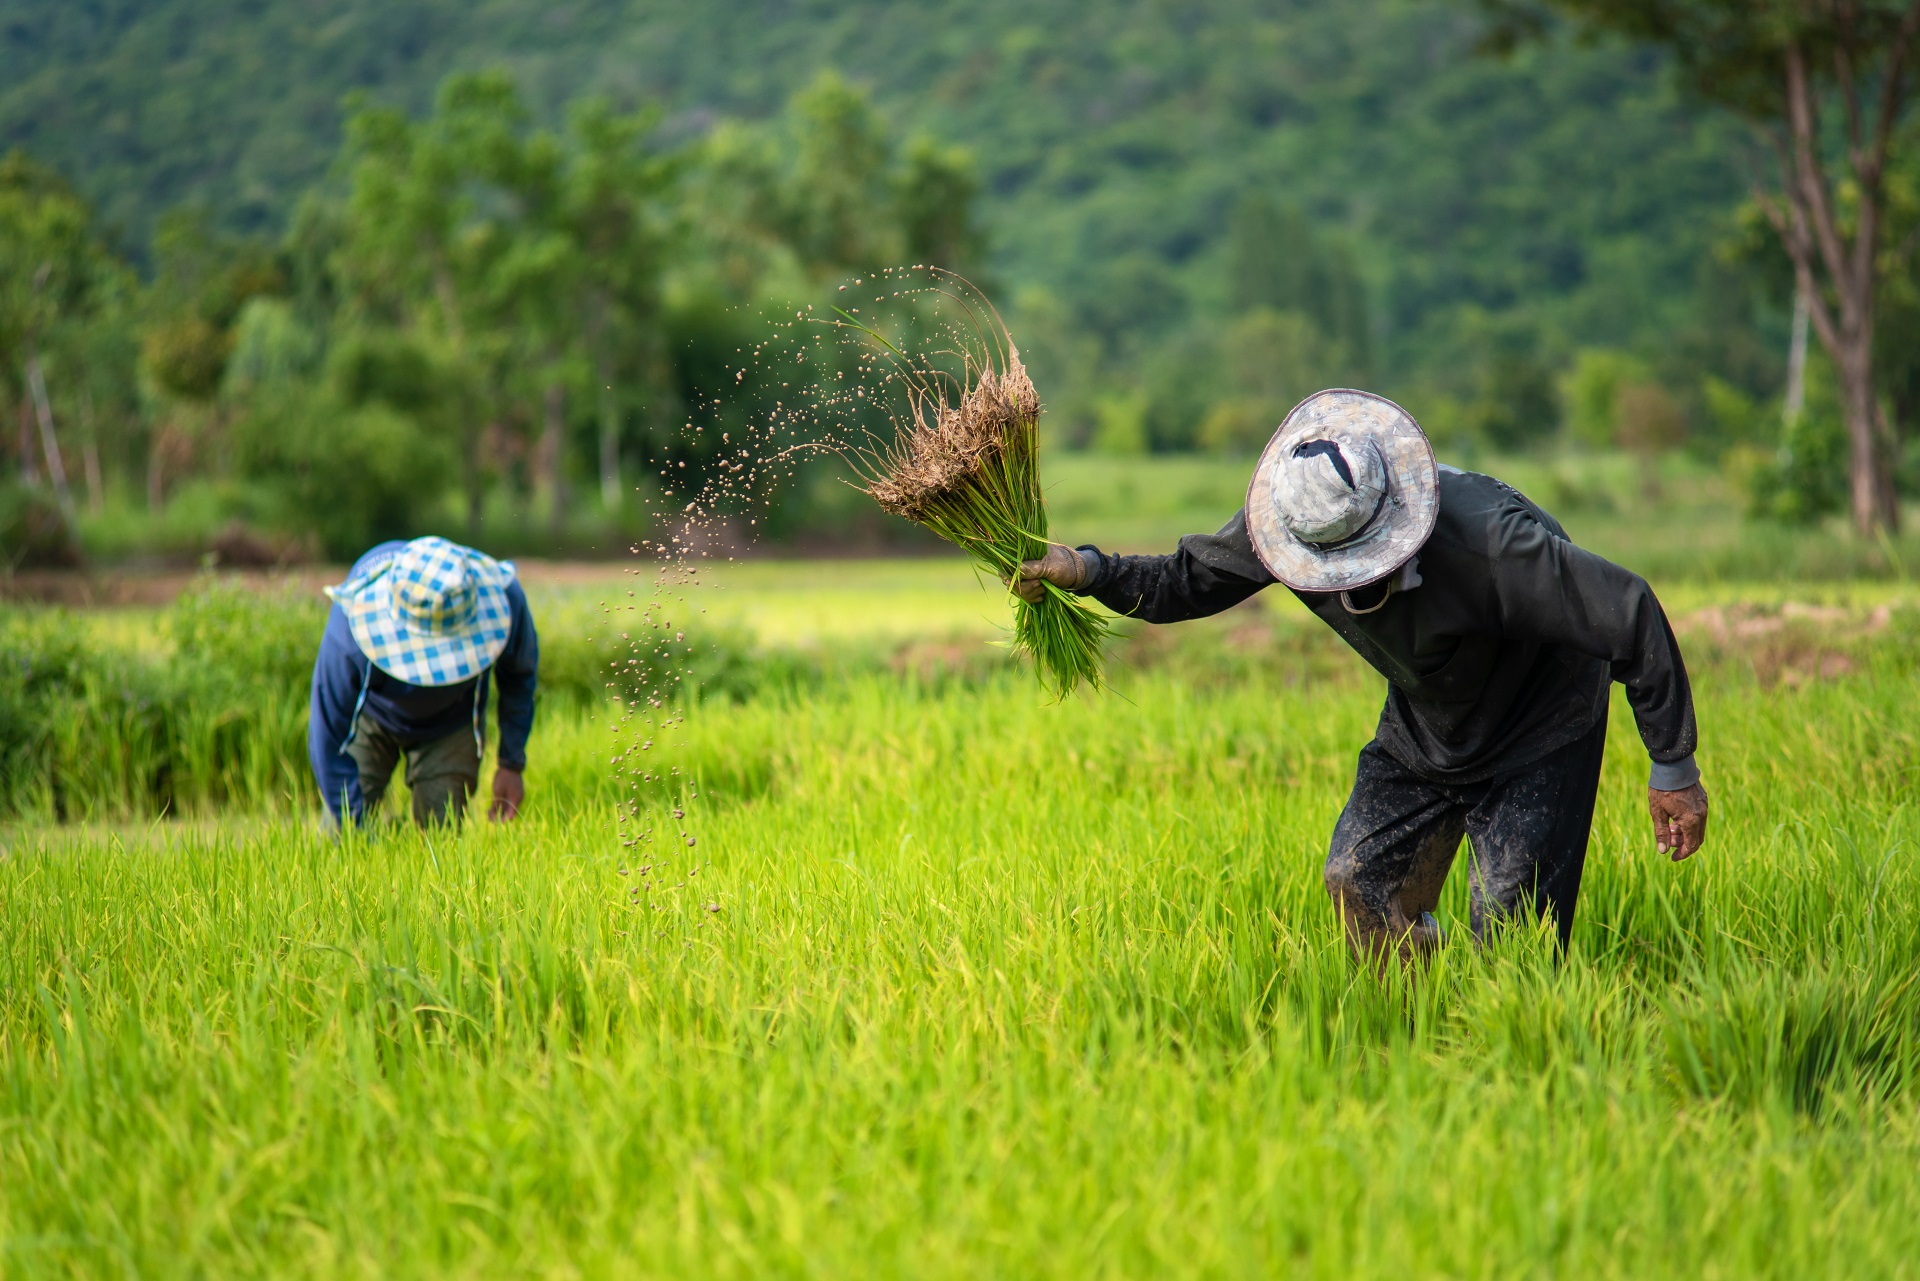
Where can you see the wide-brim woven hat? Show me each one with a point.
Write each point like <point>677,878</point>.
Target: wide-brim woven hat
<point>435,613</point>
<point>1345,492</point>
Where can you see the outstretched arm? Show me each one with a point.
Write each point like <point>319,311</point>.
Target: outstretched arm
<point>516,673</point>
<point>339,675</point>
<point>1209,573</point>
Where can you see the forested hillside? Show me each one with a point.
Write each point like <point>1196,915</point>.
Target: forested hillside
<point>1114,138</point>
<point>1192,213</point>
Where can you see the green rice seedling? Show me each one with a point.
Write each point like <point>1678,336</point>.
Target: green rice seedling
<point>904,1013</point>
<point>965,463</point>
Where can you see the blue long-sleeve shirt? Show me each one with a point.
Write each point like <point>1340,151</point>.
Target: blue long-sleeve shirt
<point>414,714</point>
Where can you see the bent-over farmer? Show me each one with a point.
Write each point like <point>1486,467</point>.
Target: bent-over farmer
<point>414,636</point>
<point>1499,639</point>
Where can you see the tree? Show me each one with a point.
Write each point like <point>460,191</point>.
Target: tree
<point>609,207</point>
<point>935,194</point>
<point>839,205</point>
<point>1789,66</point>
<point>423,243</point>
<point>204,280</point>
<point>1276,260</point>
<point>55,276</point>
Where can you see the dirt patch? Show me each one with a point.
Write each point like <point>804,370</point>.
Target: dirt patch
<point>1789,644</point>
<point>149,588</point>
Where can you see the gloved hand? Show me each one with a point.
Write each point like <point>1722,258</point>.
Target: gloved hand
<point>1062,566</point>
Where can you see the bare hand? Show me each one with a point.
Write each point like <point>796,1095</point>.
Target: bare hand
<point>1062,566</point>
<point>509,791</point>
<point>1679,820</point>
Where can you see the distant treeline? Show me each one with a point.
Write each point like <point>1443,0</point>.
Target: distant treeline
<point>485,314</point>
<point>496,314</point>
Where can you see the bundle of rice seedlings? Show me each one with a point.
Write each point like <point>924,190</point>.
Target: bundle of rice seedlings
<point>965,464</point>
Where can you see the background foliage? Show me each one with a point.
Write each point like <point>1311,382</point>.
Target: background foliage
<point>550,233</point>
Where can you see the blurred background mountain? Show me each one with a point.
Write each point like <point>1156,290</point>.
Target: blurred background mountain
<point>337,271</point>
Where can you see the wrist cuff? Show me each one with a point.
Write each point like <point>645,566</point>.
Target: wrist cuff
<point>1674,776</point>
<point>1096,569</point>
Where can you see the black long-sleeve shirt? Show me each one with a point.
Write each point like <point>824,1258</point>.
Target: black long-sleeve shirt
<point>1503,653</point>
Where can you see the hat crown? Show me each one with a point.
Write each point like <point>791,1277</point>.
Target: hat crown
<point>1329,488</point>
<point>434,592</point>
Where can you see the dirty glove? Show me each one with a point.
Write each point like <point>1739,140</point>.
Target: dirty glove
<point>1062,566</point>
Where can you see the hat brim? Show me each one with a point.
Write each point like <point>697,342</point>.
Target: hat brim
<point>1405,520</point>
<point>429,661</point>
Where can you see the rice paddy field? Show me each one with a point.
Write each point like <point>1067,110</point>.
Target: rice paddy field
<point>951,981</point>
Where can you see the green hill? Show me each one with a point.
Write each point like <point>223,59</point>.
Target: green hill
<point>1563,199</point>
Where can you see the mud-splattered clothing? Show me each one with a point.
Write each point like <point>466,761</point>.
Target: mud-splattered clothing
<point>1501,655</point>
<point>1396,840</point>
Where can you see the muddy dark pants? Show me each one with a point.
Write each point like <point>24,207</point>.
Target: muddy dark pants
<point>1395,843</point>
<point>442,773</point>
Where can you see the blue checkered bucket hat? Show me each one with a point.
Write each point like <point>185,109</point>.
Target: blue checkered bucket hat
<point>434,614</point>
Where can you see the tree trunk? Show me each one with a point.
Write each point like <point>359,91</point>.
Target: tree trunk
<point>1871,498</point>
<point>90,455</point>
<point>609,440</point>
<point>552,464</point>
<point>29,470</point>
<point>476,498</point>
<point>156,483</point>
<point>1797,361</point>
<point>49,444</point>
<point>96,488</point>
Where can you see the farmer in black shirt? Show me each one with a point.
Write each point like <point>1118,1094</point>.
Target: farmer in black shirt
<point>1498,637</point>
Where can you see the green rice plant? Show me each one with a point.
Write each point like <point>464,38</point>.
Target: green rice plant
<point>942,1024</point>
<point>965,463</point>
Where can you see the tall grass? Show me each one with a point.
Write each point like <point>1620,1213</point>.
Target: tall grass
<point>992,988</point>
<point>202,708</point>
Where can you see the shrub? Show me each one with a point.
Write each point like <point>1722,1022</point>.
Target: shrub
<point>32,530</point>
<point>357,474</point>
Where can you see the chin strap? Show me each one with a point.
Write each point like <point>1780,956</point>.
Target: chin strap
<point>479,701</point>
<point>1404,580</point>
<point>353,722</point>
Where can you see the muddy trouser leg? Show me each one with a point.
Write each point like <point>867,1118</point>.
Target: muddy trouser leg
<point>1391,851</point>
<point>375,752</point>
<point>442,775</point>
<point>1529,834</point>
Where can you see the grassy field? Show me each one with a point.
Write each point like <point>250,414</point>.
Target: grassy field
<point>950,981</point>
<point>957,983</point>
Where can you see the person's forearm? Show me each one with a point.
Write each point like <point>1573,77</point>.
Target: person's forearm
<point>330,708</point>
<point>516,678</point>
<point>516,724</point>
<point>337,776</point>
<point>1209,573</point>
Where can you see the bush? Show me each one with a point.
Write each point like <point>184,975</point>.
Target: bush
<point>91,730</point>
<point>1802,481</point>
<point>356,475</point>
<point>95,730</point>
<point>246,636</point>
<point>33,532</point>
